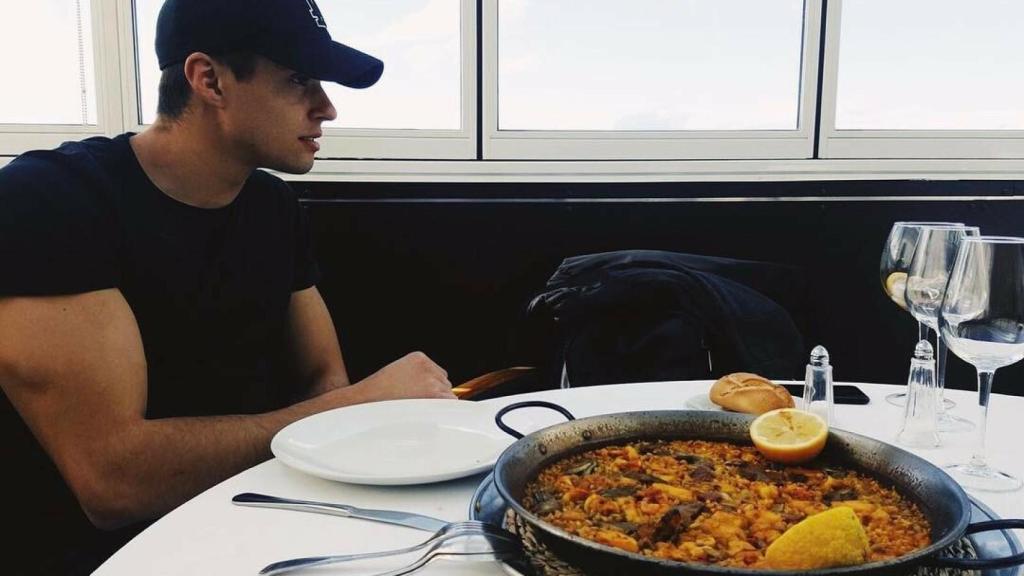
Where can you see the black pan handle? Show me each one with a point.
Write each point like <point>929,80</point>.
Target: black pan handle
<point>982,563</point>
<point>528,404</point>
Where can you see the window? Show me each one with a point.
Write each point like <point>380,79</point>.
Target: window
<point>146,12</point>
<point>420,44</point>
<point>61,78</point>
<point>902,72</point>
<point>652,78</point>
<point>47,63</point>
<point>925,78</point>
<point>672,89</point>
<point>669,65</point>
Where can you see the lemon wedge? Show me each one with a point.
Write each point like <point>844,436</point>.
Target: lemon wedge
<point>828,539</point>
<point>788,435</point>
<point>896,288</point>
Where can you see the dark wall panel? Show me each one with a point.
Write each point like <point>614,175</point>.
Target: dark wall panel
<point>447,269</point>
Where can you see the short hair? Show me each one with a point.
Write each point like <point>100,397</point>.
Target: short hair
<point>175,92</point>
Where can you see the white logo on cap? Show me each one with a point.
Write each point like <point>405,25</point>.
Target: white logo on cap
<point>315,13</point>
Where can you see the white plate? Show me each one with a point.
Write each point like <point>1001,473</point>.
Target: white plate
<point>702,402</point>
<point>394,442</point>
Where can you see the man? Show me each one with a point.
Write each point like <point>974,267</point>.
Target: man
<point>159,318</point>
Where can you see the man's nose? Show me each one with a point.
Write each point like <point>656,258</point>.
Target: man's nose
<point>323,110</point>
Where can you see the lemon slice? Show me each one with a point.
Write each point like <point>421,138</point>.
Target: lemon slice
<point>896,288</point>
<point>831,538</point>
<point>788,435</point>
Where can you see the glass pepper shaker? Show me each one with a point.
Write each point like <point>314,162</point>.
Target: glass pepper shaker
<point>920,416</point>
<point>818,385</point>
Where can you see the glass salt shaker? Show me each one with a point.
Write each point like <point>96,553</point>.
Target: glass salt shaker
<point>920,416</point>
<point>818,385</point>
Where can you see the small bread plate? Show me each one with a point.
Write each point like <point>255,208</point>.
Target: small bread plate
<point>394,442</point>
<point>702,402</point>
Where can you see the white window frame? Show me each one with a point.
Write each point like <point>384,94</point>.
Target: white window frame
<point>131,115</point>
<point>958,144</point>
<point>17,138</point>
<point>422,156</point>
<point>651,145</point>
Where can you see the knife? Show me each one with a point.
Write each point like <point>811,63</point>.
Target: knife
<point>409,519</point>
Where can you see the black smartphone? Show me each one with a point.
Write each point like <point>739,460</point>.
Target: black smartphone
<point>841,393</point>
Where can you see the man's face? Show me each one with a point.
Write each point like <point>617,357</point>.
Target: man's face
<point>273,117</point>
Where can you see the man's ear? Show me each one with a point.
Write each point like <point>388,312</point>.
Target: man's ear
<point>203,75</point>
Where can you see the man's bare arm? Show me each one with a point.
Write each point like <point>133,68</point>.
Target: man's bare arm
<point>74,368</point>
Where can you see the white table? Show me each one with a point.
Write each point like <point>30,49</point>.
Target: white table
<point>210,535</point>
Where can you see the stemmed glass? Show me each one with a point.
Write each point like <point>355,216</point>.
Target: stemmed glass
<point>897,254</point>
<point>982,320</point>
<point>926,284</point>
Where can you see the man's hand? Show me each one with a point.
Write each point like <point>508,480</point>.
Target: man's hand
<point>411,376</point>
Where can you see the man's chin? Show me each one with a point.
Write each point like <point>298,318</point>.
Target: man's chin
<point>297,167</point>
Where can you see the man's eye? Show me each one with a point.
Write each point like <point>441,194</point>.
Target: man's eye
<point>300,79</point>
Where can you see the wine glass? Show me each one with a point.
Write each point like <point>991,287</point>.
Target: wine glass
<point>897,255</point>
<point>982,320</point>
<point>926,284</point>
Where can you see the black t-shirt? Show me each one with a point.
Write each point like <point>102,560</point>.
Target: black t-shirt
<point>209,289</point>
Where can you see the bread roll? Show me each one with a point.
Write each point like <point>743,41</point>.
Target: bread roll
<point>750,393</point>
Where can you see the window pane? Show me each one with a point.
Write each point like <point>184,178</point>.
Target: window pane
<point>47,67</point>
<point>420,43</point>
<point>649,64</point>
<point>418,40</point>
<point>146,12</point>
<point>931,64</point>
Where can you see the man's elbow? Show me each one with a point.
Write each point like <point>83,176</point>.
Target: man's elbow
<point>109,516</point>
<point>107,501</point>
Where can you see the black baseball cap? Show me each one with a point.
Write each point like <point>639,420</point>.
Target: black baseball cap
<point>292,33</point>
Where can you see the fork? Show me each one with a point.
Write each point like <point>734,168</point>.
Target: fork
<point>493,555</point>
<point>471,538</point>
